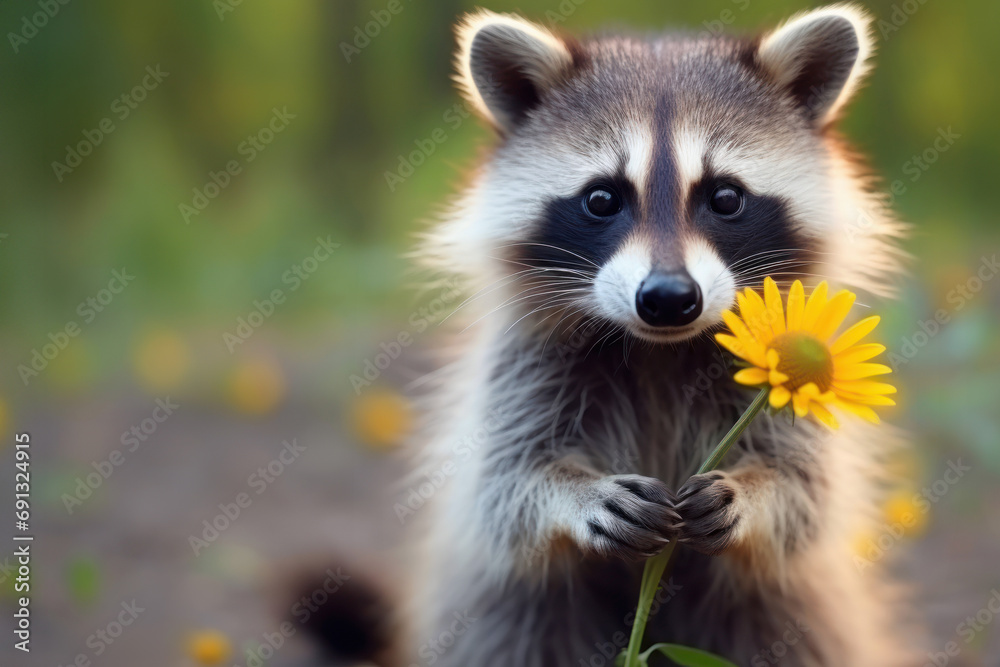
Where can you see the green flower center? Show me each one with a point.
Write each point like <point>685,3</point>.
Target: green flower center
<point>804,359</point>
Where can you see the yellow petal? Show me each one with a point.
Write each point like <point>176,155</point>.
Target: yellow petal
<point>862,411</point>
<point>741,330</point>
<point>874,400</point>
<point>825,416</point>
<point>752,350</point>
<point>776,377</point>
<point>814,307</point>
<point>809,389</point>
<point>754,314</point>
<point>772,359</point>
<point>731,343</point>
<point>740,349</point>
<point>854,334</point>
<point>779,397</point>
<point>863,387</point>
<point>860,371</point>
<point>796,304</point>
<point>864,399</point>
<point>751,376</point>
<point>772,302</point>
<point>800,404</point>
<point>858,353</point>
<point>834,313</point>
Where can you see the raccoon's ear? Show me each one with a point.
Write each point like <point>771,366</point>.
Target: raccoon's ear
<point>820,57</point>
<point>505,65</point>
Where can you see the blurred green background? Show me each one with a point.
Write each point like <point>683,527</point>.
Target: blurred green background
<point>352,106</point>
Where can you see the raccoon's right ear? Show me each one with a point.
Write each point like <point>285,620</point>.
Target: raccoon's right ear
<point>820,57</point>
<point>505,64</point>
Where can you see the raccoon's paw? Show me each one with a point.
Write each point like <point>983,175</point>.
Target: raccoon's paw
<point>708,513</point>
<point>629,516</point>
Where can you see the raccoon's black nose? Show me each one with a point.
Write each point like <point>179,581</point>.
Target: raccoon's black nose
<point>668,299</point>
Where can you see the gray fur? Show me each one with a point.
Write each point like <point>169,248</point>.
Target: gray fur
<point>587,466</point>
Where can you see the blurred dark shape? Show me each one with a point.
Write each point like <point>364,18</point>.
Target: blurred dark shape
<point>355,622</point>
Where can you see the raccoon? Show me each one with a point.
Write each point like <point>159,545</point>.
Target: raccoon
<point>634,185</point>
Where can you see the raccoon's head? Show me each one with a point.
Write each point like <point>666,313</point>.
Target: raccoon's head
<point>641,182</point>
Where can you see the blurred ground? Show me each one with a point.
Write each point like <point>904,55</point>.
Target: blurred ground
<point>330,507</point>
<point>131,539</point>
<point>359,117</point>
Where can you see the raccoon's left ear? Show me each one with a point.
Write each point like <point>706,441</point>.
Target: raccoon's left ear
<point>505,64</point>
<point>819,57</point>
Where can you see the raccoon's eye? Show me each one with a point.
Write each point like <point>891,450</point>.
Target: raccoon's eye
<point>602,202</point>
<point>726,200</point>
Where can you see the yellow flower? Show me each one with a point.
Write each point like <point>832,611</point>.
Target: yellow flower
<point>901,509</point>
<point>256,387</point>
<point>209,647</point>
<point>862,543</point>
<point>798,356</point>
<point>161,359</point>
<point>382,419</point>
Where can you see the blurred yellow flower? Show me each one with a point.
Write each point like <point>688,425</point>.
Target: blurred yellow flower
<point>209,647</point>
<point>382,419</point>
<point>863,543</point>
<point>257,386</point>
<point>901,509</point>
<point>160,359</point>
<point>799,358</point>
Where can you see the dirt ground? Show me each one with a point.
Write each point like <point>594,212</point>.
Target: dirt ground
<point>333,501</point>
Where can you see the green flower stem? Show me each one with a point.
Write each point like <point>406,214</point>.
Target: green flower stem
<point>652,574</point>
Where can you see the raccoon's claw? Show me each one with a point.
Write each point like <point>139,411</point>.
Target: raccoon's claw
<point>630,517</point>
<point>708,513</point>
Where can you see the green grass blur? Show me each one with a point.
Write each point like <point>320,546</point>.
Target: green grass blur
<point>230,65</point>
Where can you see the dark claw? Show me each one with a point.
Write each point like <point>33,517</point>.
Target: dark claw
<point>708,516</point>
<point>635,518</point>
